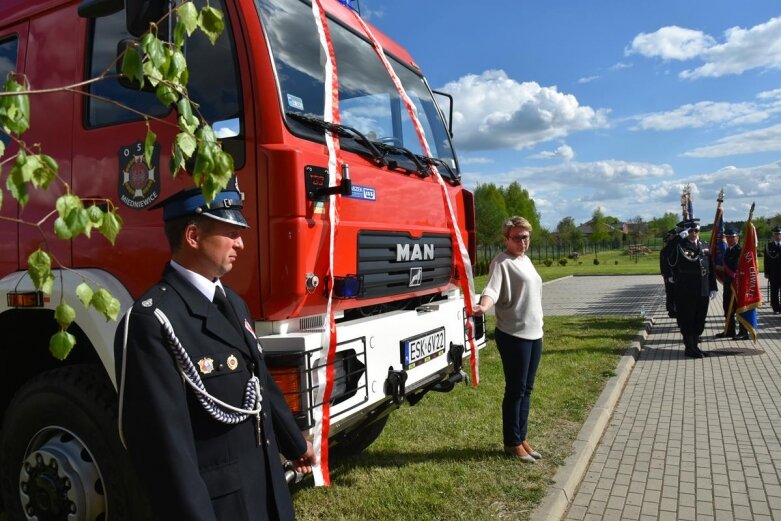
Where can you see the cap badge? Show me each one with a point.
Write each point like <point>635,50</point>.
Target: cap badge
<point>206,365</point>
<point>147,303</point>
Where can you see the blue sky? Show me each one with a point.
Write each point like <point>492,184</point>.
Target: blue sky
<point>613,104</point>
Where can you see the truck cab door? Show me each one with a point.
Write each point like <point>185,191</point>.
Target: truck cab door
<point>108,157</point>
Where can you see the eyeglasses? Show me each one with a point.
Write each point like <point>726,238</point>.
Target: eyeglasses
<point>519,238</point>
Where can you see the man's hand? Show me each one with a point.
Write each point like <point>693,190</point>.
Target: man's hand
<point>671,280</point>
<point>713,294</point>
<point>303,464</point>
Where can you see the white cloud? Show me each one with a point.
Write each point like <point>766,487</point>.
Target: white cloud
<point>564,151</point>
<point>588,79</point>
<point>706,113</point>
<point>493,111</point>
<point>671,43</point>
<point>758,47</point>
<point>620,65</point>
<point>761,140</point>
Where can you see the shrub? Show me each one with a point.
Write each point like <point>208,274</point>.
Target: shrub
<point>615,262</point>
<point>596,261</point>
<point>563,261</point>
<point>548,262</point>
<point>580,263</point>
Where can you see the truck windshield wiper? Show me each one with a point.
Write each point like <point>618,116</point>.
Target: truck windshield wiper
<point>452,175</point>
<point>341,131</point>
<point>420,168</point>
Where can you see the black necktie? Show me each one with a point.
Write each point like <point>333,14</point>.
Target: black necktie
<point>221,301</point>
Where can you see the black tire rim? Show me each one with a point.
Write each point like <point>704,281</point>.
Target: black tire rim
<point>60,479</point>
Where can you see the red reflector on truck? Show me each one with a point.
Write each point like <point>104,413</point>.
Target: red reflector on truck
<point>28,299</point>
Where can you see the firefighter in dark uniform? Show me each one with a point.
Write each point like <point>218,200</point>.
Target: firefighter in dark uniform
<point>731,259</point>
<point>773,269</point>
<point>202,419</point>
<point>664,268</point>
<point>694,282</point>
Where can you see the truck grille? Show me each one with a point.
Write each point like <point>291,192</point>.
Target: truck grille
<point>393,263</point>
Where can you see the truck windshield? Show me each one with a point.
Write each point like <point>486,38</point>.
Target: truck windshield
<point>368,100</point>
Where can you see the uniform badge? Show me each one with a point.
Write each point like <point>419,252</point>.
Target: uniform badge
<point>206,365</point>
<point>139,183</point>
<point>232,362</point>
<point>147,303</point>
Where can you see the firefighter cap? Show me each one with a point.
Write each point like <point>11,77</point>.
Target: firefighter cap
<point>731,232</point>
<point>225,207</point>
<point>777,229</point>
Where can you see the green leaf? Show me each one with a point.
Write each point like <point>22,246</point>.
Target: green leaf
<point>188,16</point>
<point>186,143</point>
<point>15,182</point>
<point>152,74</point>
<point>95,215</point>
<point>176,162</point>
<point>51,165</point>
<point>211,23</point>
<point>39,267</point>
<point>60,344</point>
<point>64,315</point>
<point>111,226</point>
<point>179,33</point>
<point>131,66</point>
<point>149,146</point>
<point>38,170</point>
<point>166,94</point>
<point>177,72</point>
<point>73,216</point>
<point>105,303</point>
<point>15,110</point>
<point>66,203</point>
<point>61,229</point>
<point>155,50</point>
<point>84,293</point>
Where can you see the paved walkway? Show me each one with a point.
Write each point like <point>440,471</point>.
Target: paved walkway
<point>683,439</point>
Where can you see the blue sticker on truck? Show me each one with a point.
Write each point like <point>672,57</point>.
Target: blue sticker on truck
<point>366,193</point>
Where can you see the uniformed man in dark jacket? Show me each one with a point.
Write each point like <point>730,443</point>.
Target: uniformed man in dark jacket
<point>203,421</point>
<point>731,259</point>
<point>664,268</point>
<point>694,282</point>
<point>773,269</point>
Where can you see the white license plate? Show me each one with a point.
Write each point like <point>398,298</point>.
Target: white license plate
<point>422,348</point>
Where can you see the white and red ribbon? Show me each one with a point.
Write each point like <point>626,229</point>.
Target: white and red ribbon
<point>325,371</point>
<point>463,264</point>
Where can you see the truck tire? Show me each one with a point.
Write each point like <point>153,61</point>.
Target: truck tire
<point>60,454</point>
<point>355,442</point>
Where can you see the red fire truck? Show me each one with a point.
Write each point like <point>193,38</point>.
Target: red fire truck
<point>400,313</point>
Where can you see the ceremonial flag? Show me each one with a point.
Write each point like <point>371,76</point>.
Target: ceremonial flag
<point>717,243</point>
<point>748,295</point>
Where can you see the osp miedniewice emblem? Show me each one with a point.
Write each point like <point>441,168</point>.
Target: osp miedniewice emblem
<point>139,184</point>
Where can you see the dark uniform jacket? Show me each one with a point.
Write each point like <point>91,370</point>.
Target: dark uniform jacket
<point>664,259</point>
<point>731,259</point>
<point>690,267</point>
<point>195,467</point>
<point>773,262</point>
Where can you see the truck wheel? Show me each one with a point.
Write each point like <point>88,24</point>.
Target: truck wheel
<point>355,442</point>
<point>60,455</point>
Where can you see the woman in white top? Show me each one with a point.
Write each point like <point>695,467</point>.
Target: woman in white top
<point>515,288</point>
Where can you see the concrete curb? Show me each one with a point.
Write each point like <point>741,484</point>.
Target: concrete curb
<point>570,474</point>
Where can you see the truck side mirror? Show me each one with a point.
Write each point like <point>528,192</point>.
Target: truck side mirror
<point>99,8</point>
<point>449,117</point>
<point>140,13</point>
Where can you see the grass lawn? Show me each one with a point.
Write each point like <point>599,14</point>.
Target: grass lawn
<point>442,459</point>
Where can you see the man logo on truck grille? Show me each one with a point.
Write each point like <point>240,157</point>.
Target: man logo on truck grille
<point>415,276</point>
<point>139,185</point>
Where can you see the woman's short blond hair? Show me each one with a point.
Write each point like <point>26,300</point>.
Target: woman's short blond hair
<point>516,222</point>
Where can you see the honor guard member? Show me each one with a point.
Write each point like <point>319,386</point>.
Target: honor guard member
<point>664,268</point>
<point>731,259</point>
<point>694,283</point>
<point>202,419</point>
<point>773,269</point>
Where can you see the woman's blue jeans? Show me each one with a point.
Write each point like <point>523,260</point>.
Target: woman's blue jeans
<point>520,359</point>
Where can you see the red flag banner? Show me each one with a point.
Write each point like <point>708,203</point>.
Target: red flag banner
<point>748,295</point>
